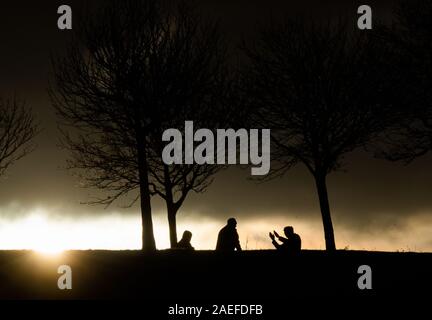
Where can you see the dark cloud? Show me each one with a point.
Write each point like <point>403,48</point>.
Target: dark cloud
<point>368,191</point>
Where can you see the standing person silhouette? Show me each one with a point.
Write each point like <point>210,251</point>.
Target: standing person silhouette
<point>228,238</point>
<point>292,242</point>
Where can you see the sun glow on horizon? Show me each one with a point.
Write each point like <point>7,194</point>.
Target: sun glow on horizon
<point>44,234</point>
<point>39,228</point>
<point>50,235</point>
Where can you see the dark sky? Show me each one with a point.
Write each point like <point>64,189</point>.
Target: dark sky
<point>370,195</point>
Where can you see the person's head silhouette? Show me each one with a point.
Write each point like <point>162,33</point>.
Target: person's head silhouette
<point>232,222</point>
<point>187,236</point>
<point>289,231</point>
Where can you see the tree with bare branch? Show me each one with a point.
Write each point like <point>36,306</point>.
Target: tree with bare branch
<point>320,88</point>
<point>174,182</point>
<point>17,131</point>
<point>135,69</point>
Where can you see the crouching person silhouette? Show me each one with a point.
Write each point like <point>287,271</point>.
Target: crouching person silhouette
<point>228,238</point>
<point>185,242</point>
<point>292,242</point>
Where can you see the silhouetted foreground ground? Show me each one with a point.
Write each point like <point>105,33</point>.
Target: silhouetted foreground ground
<point>252,275</point>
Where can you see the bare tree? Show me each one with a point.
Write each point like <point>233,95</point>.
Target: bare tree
<point>174,182</point>
<point>136,68</point>
<point>17,130</point>
<point>202,89</point>
<point>320,88</point>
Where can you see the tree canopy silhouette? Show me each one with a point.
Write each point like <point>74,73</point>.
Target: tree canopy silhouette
<point>320,87</point>
<point>200,86</point>
<point>135,69</point>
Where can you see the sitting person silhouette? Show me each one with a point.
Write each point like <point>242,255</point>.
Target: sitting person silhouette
<point>185,242</point>
<point>228,238</point>
<point>292,242</point>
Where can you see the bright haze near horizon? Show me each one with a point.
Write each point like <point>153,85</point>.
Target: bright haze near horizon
<point>376,205</point>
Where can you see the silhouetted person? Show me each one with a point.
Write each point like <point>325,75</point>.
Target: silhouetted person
<point>228,238</point>
<point>185,242</point>
<point>292,242</point>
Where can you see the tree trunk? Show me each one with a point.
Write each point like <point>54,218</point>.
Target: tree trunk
<point>171,208</point>
<point>320,180</point>
<point>172,223</point>
<point>148,240</point>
